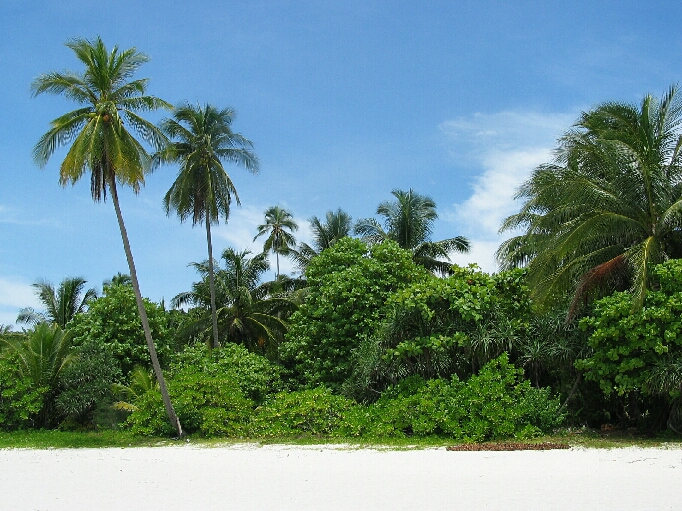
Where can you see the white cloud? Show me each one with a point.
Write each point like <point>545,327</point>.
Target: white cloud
<point>493,191</point>
<point>17,294</point>
<point>14,296</point>
<point>482,253</point>
<point>506,147</point>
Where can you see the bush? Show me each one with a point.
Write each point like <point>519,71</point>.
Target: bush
<point>254,374</point>
<point>306,412</point>
<point>437,327</point>
<point>20,399</point>
<point>213,392</point>
<point>207,405</point>
<point>86,382</point>
<point>495,403</point>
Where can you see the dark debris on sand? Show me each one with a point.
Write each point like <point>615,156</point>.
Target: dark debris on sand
<point>509,446</point>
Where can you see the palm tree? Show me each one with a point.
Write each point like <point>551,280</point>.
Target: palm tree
<point>607,209</point>
<point>203,190</point>
<point>247,313</point>
<point>277,222</point>
<point>102,144</point>
<point>61,305</point>
<point>409,221</point>
<point>120,279</point>
<point>42,355</point>
<point>338,224</point>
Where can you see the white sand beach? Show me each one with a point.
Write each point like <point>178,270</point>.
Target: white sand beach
<point>277,477</point>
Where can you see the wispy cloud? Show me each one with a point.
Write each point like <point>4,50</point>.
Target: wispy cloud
<point>506,147</point>
<point>9,216</point>
<point>14,296</point>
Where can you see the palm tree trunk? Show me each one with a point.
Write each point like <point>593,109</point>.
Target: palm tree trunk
<point>277,257</point>
<point>211,281</point>
<point>172,416</point>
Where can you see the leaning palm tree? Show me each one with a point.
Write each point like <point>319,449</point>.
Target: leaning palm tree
<point>607,209</point>
<point>277,222</point>
<point>61,305</point>
<point>203,190</point>
<point>409,221</point>
<point>102,144</point>
<point>338,224</point>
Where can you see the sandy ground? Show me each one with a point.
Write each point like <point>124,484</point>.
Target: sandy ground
<point>252,477</point>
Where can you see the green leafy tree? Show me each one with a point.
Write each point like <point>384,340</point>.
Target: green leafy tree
<point>437,327</point>
<point>608,209</point>
<point>408,221</point>
<point>113,321</point>
<point>349,284</point>
<point>278,226</point>
<point>101,143</point>
<point>61,304</point>
<point>203,191</point>
<point>632,352</point>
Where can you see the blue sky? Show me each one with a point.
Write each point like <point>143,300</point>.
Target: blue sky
<point>344,102</point>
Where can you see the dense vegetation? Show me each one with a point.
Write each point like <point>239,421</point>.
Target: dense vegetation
<point>379,336</point>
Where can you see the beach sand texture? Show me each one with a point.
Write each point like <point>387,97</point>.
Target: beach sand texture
<point>277,477</point>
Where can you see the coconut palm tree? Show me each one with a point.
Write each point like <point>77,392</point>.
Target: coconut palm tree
<point>101,143</point>
<point>607,209</point>
<point>408,220</point>
<point>61,305</point>
<point>247,312</point>
<point>277,222</point>
<point>203,191</point>
<point>338,224</point>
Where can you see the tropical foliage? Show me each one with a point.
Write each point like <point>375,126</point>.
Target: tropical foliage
<point>101,143</point>
<point>278,226</point>
<point>349,284</point>
<point>203,190</point>
<point>338,224</point>
<point>41,356</point>
<point>247,312</point>
<point>61,305</point>
<point>408,221</point>
<point>608,209</point>
<point>113,322</point>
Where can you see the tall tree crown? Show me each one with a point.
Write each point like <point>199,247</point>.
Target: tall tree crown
<point>608,208</point>
<point>203,140</point>
<point>100,141</point>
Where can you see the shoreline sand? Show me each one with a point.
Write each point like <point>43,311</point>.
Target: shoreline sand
<point>283,477</point>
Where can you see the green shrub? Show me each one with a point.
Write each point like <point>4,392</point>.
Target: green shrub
<point>495,403</point>
<point>205,404</point>
<point>306,412</point>
<point>254,374</point>
<point>20,399</point>
<point>86,382</point>
<point>213,392</point>
<point>542,409</point>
